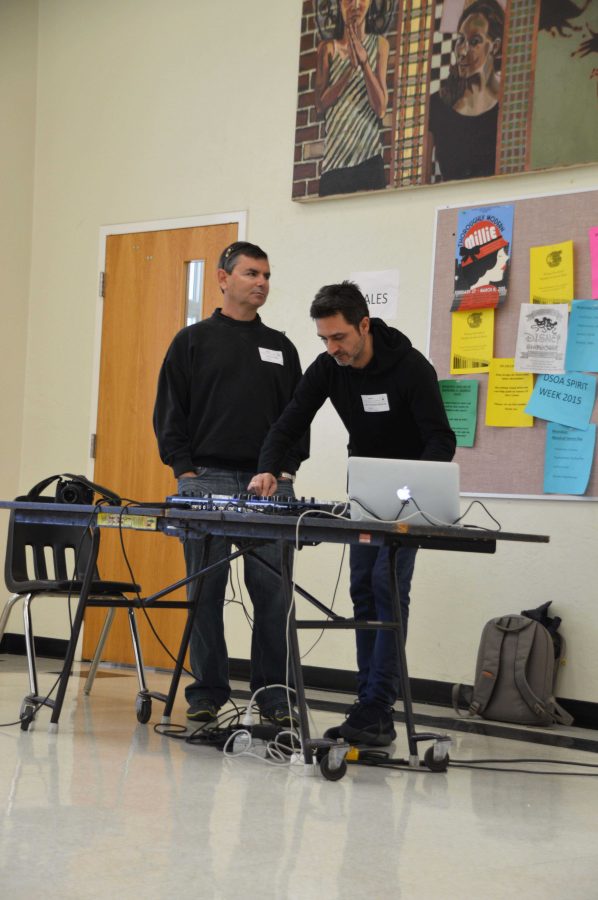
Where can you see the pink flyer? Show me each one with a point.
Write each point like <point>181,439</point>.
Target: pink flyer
<point>593,233</point>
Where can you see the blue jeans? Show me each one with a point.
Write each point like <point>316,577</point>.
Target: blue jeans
<point>207,648</point>
<point>377,657</point>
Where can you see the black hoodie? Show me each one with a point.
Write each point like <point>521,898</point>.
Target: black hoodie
<point>409,421</point>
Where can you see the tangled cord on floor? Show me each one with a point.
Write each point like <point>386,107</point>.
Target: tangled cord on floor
<point>235,734</point>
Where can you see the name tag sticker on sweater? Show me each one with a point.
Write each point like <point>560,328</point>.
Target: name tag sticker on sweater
<point>273,356</point>
<point>375,402</point>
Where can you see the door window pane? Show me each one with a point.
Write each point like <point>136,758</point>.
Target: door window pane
<point>195,273</point>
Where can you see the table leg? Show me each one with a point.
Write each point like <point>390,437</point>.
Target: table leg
<point>402,656</point>
<point>286,575</point>
<point>77,622</point>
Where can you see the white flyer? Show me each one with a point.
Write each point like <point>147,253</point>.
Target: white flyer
<point>542,338</point>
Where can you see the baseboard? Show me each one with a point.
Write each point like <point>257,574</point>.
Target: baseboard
<point>51,648</point>
<point>423,690</point>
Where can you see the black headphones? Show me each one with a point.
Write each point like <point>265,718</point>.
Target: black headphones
<point>71,489</point>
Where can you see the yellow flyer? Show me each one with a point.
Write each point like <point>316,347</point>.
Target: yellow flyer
<point>508,394</point>
<point>551,273</point>
<point>472,341</point>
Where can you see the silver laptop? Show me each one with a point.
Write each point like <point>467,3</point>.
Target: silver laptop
<point>415,491</point>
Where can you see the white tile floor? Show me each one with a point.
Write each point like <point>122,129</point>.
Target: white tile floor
<point>107,807</point>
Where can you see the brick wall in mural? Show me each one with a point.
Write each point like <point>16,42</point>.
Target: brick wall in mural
<point>399,93</point>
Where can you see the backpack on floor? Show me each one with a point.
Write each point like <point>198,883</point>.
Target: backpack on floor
<point>515,676</point>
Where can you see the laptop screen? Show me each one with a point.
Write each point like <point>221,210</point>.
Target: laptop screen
<point>415,491</point>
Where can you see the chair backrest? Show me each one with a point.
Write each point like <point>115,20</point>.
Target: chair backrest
<point>45,557</point>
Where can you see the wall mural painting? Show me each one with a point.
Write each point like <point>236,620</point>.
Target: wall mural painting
<point>396,93</point>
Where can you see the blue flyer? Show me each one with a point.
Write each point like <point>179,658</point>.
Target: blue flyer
<point>566,399</point>
<point>568,460</point>
<point>582,340</point>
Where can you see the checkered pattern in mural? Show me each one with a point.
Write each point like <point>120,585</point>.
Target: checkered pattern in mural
<point>442,48</point>
<point>513,133</point>
<point>411,91</point>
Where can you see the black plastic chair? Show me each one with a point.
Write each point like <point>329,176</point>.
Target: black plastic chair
<point>51,559</point>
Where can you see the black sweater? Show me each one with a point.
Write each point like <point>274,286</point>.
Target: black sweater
<point>222,385</point>
<point>415,425</point>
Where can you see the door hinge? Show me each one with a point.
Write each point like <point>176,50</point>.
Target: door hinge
<point>92,446</point>
<point>102,284</point>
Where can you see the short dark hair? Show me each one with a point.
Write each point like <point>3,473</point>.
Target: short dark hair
<point>344,298</point>
<point>230,254</point>
<point>376,20</point>
<point>495,17</point>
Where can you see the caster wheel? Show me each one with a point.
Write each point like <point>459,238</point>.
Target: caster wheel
<point>26,715</point>
<point>329,773</point>
<point>435,765</point>
<point>143,708</point>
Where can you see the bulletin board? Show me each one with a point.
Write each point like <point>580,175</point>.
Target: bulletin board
<point>510,461</point>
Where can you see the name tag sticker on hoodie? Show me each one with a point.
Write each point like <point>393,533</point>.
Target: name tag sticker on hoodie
<point>375,402</point>
<point>273,356</point>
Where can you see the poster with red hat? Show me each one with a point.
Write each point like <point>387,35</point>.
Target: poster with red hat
<point>484,238</point>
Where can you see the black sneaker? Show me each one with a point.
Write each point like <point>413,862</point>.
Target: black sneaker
<point>281,715</point>
<point>203,711</point>
<point>334,733</point>
<point>365,724</point>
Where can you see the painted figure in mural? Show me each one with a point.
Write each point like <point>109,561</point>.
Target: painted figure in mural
<point>556,16</point>
<point>590,45</point>
<point>464,113</point>
<point>351,93</point>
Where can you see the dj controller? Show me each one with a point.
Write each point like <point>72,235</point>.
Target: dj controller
<point>244,503</point>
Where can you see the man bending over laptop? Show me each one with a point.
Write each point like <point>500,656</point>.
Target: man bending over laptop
<point>387,395</point>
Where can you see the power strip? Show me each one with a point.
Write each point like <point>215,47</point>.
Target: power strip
<point>244,742</point>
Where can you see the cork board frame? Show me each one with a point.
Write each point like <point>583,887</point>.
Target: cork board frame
<point>510,461</point>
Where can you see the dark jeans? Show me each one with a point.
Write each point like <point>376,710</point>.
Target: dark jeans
<point>377,657</point>
<point>208,653</point>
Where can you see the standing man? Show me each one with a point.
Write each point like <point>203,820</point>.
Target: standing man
<point>387,395</point>
<point>223,383</point>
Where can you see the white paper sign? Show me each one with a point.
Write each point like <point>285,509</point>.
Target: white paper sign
<point>541,338</point>
<point>381,290</point>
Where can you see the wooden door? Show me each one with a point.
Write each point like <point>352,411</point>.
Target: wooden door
<point>144,306</point>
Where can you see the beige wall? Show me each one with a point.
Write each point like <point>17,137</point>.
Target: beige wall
<point>151,111</point>
<point>18,69</point>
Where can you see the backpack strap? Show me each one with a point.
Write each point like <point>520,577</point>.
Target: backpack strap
<point>551,708</point>
<point>559,714</point>
<point>559,660</point>
<point>525,640</point>
<point>462,694</point>
<point>489,668</point>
